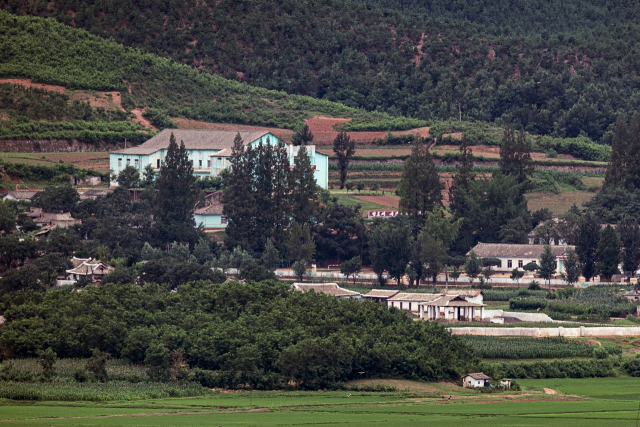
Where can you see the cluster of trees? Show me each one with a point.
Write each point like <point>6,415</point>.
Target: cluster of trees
<point>413,59</point>
<point>234,334</point>
<point>269,202</point>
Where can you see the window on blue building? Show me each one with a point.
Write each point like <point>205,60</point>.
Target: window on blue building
<point>120,162</point>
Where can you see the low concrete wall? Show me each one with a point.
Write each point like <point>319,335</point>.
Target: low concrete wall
<point>614,331</point>
<point>528,317</point>
<point>525,317</point>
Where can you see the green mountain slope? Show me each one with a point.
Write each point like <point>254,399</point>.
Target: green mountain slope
<point>553,67</point>
<point>48,52</point>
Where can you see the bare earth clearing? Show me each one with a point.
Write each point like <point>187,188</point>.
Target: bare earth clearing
<point>110,100</point>
<point>386,200</point>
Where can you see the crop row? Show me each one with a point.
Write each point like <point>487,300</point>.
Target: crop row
<point>113,390</point>
<point>527,348</point>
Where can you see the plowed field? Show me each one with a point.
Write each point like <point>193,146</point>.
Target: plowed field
<point>386,200</point>
<point>324,134</point>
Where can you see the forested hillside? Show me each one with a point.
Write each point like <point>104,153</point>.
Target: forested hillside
<point>561,68</point>
<point>48,52</point>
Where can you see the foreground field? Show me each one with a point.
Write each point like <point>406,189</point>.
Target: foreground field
<point>577,402</point>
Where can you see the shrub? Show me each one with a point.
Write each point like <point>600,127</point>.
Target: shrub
<point>47,359</point>
<point>600,353</point>
<point>97,365</point>
<point>632,367</point>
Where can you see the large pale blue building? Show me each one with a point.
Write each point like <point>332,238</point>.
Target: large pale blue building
<point>209,152</point>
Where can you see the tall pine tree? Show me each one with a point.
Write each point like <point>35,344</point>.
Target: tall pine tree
<point>586,243</point>
<point>303,136</point>
<point>304,191</point>
<point>177,194</point>
<point>458,192</point>
<point>608,253</point>
<point>344,147</point>
<point>238,198</point>
<point>515,155</point>
<point>629,232</point>
<point>420,189</point>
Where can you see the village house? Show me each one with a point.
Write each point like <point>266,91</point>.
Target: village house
<point>85,268</point>
<point>632,295</point>
<point>210,215</point>
<point>477,379</point>
<point>209,152</point>
<point>470,295</point>
<point>517,256</point>
<point>54,220</point>
<point>326,288</point>
<point>94,193</point>
<point>379,295</point>
<point>451,308</point>
<point>410,301</point>
<point>25,195</point>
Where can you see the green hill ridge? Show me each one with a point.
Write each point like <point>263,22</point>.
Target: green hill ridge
<point>46,51</point>
<point>552,67</point>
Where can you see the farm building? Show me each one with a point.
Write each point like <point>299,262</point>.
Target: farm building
<point>470,295</point>
<point>451,308</point>
<point>379,295</point>
<point>517,256</point>
<point>210,215</point>
<point>209,152</point>
<point>20,195</point>
<point>410,301</point>
<point>477,379</point>
<point>326,288</point>
<point>632,295</point>
<point>85,267</point>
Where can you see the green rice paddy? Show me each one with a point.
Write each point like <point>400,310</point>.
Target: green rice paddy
<point>579,402</point>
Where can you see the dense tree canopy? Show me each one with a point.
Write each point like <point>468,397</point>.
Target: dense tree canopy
<point>314,339</point>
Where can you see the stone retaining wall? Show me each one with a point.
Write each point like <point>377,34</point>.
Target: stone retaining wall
<point>614,331</point>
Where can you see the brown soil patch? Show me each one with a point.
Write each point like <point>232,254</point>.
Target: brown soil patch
<point>141,119</point>
<point>557,203</point>
<point>109,100</point>
<point>29,83</point>
<point>324,133</point>
<point>549,391</point>
<point>368,152</point>
<point>386,200</point>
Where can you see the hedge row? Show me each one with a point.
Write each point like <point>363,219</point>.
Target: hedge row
<point>592,368</point>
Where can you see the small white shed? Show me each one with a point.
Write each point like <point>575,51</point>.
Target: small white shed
<point>505,383</point>
<point>477,379</point>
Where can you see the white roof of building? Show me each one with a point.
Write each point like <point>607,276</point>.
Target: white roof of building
<point>325,288</point>
<point>193,139</point>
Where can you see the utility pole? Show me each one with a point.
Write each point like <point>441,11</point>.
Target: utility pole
<point>460,111</point>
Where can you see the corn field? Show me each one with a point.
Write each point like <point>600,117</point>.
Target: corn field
<point>527,348</point>
<point>117,370</point>
<point>507,294</point>
<point>112,390</point>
